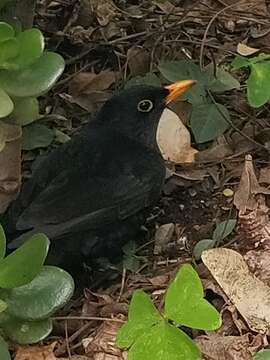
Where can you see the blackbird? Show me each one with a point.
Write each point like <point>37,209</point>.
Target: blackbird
<point>89,196</point>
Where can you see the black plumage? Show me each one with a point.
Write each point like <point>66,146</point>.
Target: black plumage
<point>90,195</point>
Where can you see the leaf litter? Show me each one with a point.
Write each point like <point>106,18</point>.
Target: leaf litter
<point>111,44</point>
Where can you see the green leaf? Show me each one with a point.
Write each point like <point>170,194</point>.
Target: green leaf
<point>207,122</point>
<point>224,229</point>
<point>44,295</point>
<point>184,302</point>
<point>3,305</point>
<point>4,350</point>
<point>31,46</point>
<point>196,95</point>
<point>4,315</point>
<point>60,136</point>
<point>148,79</point>
<point>130,248</point>
<point>186,69</point>
<point>262,355</point>
<point>35,79</point>
<point>240,62</point>
<point>3,3</point>
<point>142,316</point>
<point>223,81</point>
<point>131,261</point>
<point>28,332</point>
<point>37,136</point>
<point>201,246</point>
<point>6,32</point>
<point>21,266</point>
<point>26,110</point>
<point>164,341</point>
<point>8,50</point>
<point>181,70</point>
<point>6,104</point>
<point>261,57</point>
<point>258,91</point>
<point>3,242</point>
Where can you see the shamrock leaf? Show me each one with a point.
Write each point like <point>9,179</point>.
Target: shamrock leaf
<point>142,316</point>
<point>262,355</point>
<point>258,84</point>
<point>184,302</point>
<point>164,341</point>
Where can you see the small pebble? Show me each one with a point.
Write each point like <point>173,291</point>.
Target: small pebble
<point>228,192</point>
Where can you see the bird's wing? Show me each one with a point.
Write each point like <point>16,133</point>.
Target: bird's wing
<point>119,183</point>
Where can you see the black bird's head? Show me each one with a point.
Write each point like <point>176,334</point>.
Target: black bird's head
<point>135,112</point>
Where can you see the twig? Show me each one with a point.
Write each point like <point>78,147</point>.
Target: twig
<point>67,342</point>
<point>93,318</point>
<point>62,348</point>
<point>232,124</point>
<point>208,27</point>
<point>127,37</point>
<point>123,280</point>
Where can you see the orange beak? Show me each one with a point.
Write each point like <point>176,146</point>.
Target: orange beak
<point>178,88</point>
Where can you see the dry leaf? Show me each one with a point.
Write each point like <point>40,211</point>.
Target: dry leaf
<point>138,60</point>
<point>245,50</point>
<point>74,357</point>
<point>88,90</point>
<point>183,109</point>
<point>160,280</point>
<point>245,196</point>
<point>265,175</point>
<point>8,133</point>
<point>218,347</point>
<point>260,38</point>
<point>105,11</point>
<point>253,211</point>
<point>232,322</point>
<point>35,352</point>
<point>88,82</point>
<point>166,6</point>
<point>250,295</point>
<point>174,139</point>
<point>163,236</point>
<point>102,345</point>
<point>90,103</point>
<point>10,166</point>
<point>256,7</point>
<point>259,263</point>
<point>215,153</point>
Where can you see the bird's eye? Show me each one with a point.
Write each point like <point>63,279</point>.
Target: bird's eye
<point>145,105</point>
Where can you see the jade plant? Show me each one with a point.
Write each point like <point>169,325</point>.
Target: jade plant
<point>26,72</point>
<point>150,334</point>
<point>30,292</point>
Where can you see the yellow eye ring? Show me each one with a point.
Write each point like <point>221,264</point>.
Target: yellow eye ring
<point>145,106</point>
